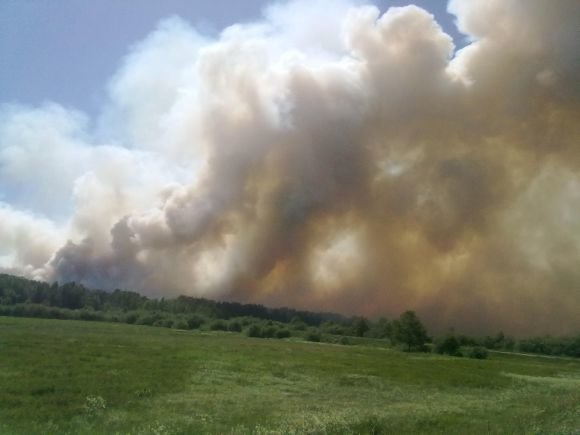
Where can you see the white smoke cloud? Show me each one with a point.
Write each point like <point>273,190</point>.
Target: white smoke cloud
<point>346,161</point>
<point>26,241</point>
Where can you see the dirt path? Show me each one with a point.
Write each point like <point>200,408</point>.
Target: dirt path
<point>535,355</point>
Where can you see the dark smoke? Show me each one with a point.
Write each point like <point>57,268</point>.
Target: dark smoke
<point>359,166</point>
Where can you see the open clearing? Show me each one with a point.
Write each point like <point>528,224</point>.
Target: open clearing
<point>86,377</point>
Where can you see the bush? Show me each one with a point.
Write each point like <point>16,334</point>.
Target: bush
<point>246,321</point>
<point>448,345</point>
<point>344,341</point>
<point>334,328</point>
<point>36,310</point>
<point>112,318</point>
<point>218,325</point>
<point>312,335</point>
<point>167,323</point>
<point>55,313</point>
<point>478,352</point>
<point>254,331</point>
<point>269,331</point>
<point>298,324</point>
<point>180,324</point>
<point>19,310</point>
<point>234,326</point>
<point>91,315</point>
<point>195,322</point>
<point>146,319</point>
<point>283,333</point>
<point>131,318</point>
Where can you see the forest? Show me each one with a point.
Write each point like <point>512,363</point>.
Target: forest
<point>20,297</point>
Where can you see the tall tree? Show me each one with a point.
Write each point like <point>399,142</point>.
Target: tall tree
<point>409,330</point>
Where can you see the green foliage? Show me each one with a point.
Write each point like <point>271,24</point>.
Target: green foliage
<point>194,321</point>
<point>409,331</point>
<point>73,296</point>
<point>298,324</point>
<point>344,341</point>
<point>147,318</point>
<point>90,315</point>
<point>380,329</point>
<point>478,352</point>
<point>568,346</point>
<point>283,333</point>
<point>360,326</point>
<point>254,331</point>
<point>180,324</point>
<point>218,325</point>
<point>21,297</point>
<point>131,318</point>
<point>448,344</point>
<point>234,326</point>
<point>333,328</point>
<point>312,335</point>
<point>269,331</point>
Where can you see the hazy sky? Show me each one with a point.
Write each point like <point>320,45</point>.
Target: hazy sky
<point>66,50</point>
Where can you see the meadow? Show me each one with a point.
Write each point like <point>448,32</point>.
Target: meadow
<point>59,377</point>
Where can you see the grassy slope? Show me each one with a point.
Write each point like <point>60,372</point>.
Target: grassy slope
<point>155,380</point>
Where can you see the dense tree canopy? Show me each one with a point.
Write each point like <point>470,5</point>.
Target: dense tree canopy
<point>26,298</point>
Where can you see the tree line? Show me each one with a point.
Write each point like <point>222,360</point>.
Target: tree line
<point>27,298</point>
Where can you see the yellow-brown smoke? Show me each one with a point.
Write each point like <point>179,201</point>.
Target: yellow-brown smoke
<point>358,166</point>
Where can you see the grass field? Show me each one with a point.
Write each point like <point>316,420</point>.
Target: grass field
<point>85,377</point>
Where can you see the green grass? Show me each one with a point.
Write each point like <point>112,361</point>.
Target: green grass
<point>61,377</point>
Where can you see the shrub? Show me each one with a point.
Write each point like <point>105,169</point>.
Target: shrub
<point>35,310</point>
<point>246,321</point>
<point>447,345</point>
<point>312,335</point>
<point>19,310</point>
<point>91,315</point>
<point>234,326</point>
<point>334,328</point>
<point>298,324</point>
<point>55,313</point>
<point>283,333</point>
<point>113,318</point>
<point>359,326</point>
<point>146,319</point>
<point>478,352</point>
<point>167,323</point>
<point>180,324</point>
<point>254,331</point>
<point>195,322</point>
<point>218,325</point>
<point>344,341</point>
<point>131,318</point>
<point>269,331</point>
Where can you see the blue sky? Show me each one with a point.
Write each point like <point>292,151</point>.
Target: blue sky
<point>66,50</point>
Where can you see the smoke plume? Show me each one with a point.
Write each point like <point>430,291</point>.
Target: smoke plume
<point>351,162</point>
